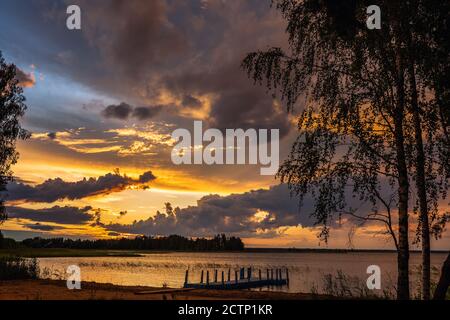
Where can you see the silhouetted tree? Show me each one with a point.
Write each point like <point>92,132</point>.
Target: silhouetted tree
<point>12,108</point>
<point>444,281</point>
<point>426,42</point>
<point>365,112</point>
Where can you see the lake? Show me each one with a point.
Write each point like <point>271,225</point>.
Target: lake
<point>306,270</point>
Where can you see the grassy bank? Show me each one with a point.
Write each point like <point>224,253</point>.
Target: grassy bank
<point>16,268</point>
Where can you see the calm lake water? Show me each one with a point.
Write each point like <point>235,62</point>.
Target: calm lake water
<point>306,270</point>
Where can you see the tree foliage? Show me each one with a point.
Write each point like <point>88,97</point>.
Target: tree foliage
<point>357,141</point>
<point>12,108</point>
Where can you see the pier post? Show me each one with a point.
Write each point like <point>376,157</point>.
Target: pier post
<point>271,274</point>
<point>249,274</point>
<point>201,278</point>
<point>287,275</point>
<point>229,274</point>
<point>186,277</point>
<point>241,274</point>
<point>223,278</point>
<point>260,275</point>
<point>267,274</point>
<point>215,275</point>
<point>207,277</point>
<point>235,276</point>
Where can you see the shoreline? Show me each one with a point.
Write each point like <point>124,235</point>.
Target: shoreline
<point>66,253</point>
<point>46,289</point>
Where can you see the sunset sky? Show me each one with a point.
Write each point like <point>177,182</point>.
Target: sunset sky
<point>107,98</point>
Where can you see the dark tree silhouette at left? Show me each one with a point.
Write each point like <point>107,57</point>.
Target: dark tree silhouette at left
<point>12,108</point>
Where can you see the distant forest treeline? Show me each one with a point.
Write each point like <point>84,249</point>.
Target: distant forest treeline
<point>173,242</point>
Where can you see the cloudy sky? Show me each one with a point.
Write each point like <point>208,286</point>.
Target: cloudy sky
<point>104,100</point>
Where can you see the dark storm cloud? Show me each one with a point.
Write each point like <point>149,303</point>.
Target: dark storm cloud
<point>43,227</point>
<point>137,49</point>
<point>121,46</point>
<point>238,28</point>
<point>146,177</point>
<point>240,214</point>
<point>238,103</point>
<point>132,35</point>
<point>123,111</point>
<point>191,102</point>
<point>57,189</point>
<point>56,214</point>
<point>146,113</point>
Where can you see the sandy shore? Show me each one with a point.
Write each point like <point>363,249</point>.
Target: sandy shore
<point>57,290</point>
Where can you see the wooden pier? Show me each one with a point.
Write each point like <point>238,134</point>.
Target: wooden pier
<point>246,279</point>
